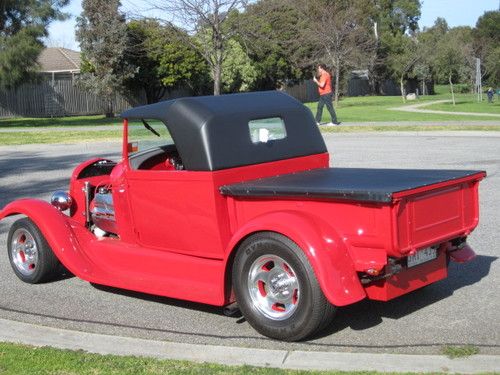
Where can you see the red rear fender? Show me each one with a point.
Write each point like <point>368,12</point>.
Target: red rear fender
<point>324,248</point>
<point>58,230</point>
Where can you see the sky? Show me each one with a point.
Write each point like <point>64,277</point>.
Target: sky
<point>456,13</point>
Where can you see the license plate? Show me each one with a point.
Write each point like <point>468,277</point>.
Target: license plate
<point>422,256</point>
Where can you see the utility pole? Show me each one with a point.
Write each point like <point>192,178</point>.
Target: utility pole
<point>479,85</point>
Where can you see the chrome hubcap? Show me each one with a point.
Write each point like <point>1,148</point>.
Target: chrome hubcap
<point>273,287</point>
<point>24,252</point>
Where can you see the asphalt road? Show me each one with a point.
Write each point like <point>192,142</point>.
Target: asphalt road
<point>463,309</point>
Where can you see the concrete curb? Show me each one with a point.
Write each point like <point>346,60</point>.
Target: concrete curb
<point>17,332</point>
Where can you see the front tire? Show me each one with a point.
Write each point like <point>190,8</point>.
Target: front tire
<point>30,255</point>
<point>277,290</point>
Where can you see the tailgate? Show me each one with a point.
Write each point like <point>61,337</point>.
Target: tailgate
<point>436,213</point>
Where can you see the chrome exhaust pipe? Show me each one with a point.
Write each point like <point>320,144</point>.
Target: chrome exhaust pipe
<point>231,310</point>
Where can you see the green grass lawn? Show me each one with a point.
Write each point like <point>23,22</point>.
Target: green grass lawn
<point>469,103</point>
<point>18,359</point>
<point>69,136</point>
<point>59,121</point>
<point>377,108</point>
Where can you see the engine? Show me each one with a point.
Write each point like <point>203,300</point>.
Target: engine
<point>102,210</point>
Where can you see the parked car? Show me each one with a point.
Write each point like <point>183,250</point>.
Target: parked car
<point>235,202</point>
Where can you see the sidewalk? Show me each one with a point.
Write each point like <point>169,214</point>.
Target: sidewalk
<point>11,331</point>
<point>418,108</point>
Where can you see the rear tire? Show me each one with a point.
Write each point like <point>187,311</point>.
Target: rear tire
<point>277,290</point>
<point>29,253</point>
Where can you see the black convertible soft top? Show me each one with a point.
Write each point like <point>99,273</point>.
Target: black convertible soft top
<point>212,132</point>
<point>357,184</point>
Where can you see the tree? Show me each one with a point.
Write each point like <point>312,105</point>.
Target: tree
<point>464,36</point>
<point>271,35</point>
<point>162,59</point>
<point>452,59</point>
<point>486,44</point>
<point>238,72</point>
<point>488,27</point>
<point>391,19</point>
<point>102,34</point>
<point>139,54</point>
<point>337,29</point>
<point>395,16</point>
<point>405,59</point>
<point>23,24</point>
<point>179,64</point>
<point>492,66</point>
<point>207,20</point>
<point>429,40</point>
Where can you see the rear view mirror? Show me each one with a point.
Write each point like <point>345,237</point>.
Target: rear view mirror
<point>133,147</point>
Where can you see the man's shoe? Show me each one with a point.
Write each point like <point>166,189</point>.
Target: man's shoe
<point>336,123</point>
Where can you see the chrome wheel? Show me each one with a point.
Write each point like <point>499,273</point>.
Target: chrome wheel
<point>24,252</point>
<point>273,287</point>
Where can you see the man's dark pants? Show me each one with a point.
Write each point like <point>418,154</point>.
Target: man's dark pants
<point>326,100</point>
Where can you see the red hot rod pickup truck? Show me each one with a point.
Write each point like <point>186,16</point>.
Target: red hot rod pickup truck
<point>234,201</point>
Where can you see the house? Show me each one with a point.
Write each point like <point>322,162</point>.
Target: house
<point>55,92</point>
<point>59,62</point>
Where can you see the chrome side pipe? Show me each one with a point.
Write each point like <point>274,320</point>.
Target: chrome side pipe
<point>86,192</point>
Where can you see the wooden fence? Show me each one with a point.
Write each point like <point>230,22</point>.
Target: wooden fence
<point>305,91</point>
<point>62,97</point>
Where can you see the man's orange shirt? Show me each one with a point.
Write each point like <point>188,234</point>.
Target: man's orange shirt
<point>325,84</point>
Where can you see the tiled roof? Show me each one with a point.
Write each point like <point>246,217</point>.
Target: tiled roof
<point>59,60</point>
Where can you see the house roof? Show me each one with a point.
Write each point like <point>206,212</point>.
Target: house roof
<point>59,60</point>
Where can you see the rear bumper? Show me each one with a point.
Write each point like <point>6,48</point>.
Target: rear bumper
<point>410,279</point>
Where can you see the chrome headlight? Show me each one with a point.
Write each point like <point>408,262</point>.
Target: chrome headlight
<point>61,200</point>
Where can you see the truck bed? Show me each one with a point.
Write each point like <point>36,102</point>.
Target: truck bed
<point>354,184</point>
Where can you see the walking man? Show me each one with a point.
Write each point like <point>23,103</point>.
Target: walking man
<point>490,94</point>
<point>325,95</point>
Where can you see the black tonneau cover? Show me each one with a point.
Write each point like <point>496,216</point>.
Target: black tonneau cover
<point>359,184</point>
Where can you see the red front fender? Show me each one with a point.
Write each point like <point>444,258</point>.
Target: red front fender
<point>324,248</point>
<point>58,230</point>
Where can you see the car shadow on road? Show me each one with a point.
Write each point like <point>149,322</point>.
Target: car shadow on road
<point>365,314</point>
<point>360,316</point>
<point>217,310</point>
<point>368,313</point>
